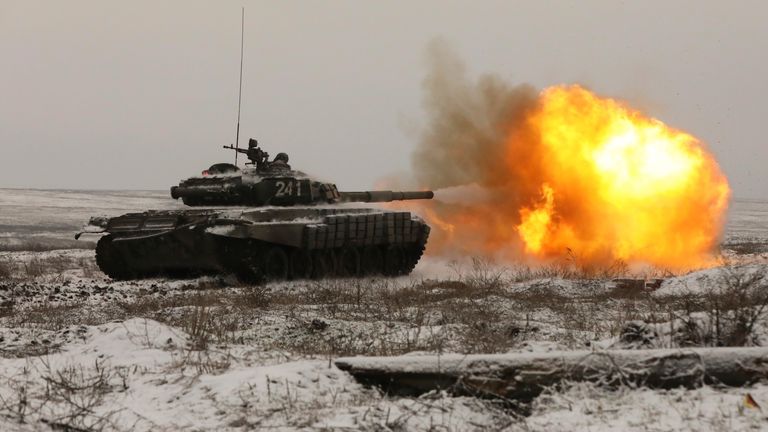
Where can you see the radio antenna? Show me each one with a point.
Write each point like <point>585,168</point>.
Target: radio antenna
<point>240,89</point>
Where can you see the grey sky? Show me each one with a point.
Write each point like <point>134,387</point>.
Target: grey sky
<point>107,94</point>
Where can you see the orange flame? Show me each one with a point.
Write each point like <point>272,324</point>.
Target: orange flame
<point>591,175</point>
<point>534,226</point>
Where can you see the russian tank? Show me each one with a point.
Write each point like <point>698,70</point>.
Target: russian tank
<point>263,222</point>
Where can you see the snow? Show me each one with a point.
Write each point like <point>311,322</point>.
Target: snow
<point>747,220</point>
<point>584,406</point>
<point>714,360</point>
<point>166,386</point>
<point>169,385</point>
<point>45,219</point>
<point>161,385</point>
<point>276,370</point>
<point>712,279</point>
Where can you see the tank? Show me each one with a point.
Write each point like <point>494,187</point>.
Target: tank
<point>263,222</point>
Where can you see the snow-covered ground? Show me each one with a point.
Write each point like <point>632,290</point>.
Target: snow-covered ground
<point>747,220</point>
<point>38,219</point>
<point>81,351</point>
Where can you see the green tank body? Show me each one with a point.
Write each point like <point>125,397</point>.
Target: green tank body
<point>263,222</point>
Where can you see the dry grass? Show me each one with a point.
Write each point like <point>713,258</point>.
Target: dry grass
<point>6,269</point>
<point>747,247</point>
<point>484,309</point>
<point>48,244</point>
<point>473,316</point>
<point>206,325</point>
<point>27,270</point>
<point>49,316</point>
<point>37,267</point>
<point>727,315</point>
<point>208,315</point>
<point>422,316</point>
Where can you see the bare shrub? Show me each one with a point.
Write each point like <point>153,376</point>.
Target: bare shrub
<point>207,298</point>
<point>484,275</point>
<point>207,324</point>
<point>488,337</point>
<point>48,244</point>
<point>725,315</point>
<point>69,399</point>
<point>252,297</point>
<point>50,316</point>
<point>747,247</point>
<point>196,324</point>
<point>420,316</point>
<point>143,307</point>
<point>154,307</point>
<point>736,307</point>
<point>6,269</point>
<point>17,405</point>
<point>685,328</point>
<point>568,268</point>
<point>573,266</point>
<point>81,390</point>
<point>37,266</point>
<point>34,268</point>
<point>204,284</point>
<point>540,296</point>
<point>202,361</point>
<point>89,267</point>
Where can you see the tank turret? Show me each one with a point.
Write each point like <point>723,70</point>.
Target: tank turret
<point>264,183</point>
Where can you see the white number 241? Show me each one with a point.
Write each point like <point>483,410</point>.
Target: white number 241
<point>287,188</point>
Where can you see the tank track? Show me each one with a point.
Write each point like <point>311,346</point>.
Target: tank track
<point>250,260</point>
<point>114,261</point>
<point>109,260</point>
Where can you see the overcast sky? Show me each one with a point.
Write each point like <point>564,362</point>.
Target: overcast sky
<point>139,94</point>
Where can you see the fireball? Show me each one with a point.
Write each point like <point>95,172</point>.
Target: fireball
<point>575,173</point>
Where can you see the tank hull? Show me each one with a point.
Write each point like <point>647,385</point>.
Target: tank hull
<point>259,244</point>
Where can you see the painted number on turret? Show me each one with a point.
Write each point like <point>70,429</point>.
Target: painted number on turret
<point>288,188</point>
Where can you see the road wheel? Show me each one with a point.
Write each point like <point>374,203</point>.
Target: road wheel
<point>321,265</point>
<point>394,260</point>
<point>412,255</point>
<point>301,264</point>
<point>372,261</point>
<point>276,265</point>
<point>349,262</point>
<point>250,270</point>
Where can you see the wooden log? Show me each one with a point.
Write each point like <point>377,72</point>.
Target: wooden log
<point>523,376</point>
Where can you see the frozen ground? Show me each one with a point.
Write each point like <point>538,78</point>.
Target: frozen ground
<point>80,351</point>
<point>39,219</point>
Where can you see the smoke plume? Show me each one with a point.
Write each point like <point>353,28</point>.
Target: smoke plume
<point>468,122</point>
<point>521,174</point>
<point>463,144</point>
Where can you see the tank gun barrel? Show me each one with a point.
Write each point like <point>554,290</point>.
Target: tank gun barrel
<point>254,154</point>
<point>239,150</point>
<point>384,196</point>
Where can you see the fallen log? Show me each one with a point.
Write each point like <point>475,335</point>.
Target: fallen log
<point>524,376</point>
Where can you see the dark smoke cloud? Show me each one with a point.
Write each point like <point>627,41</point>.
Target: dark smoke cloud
<point>475,129</point>
<point>468,122</point>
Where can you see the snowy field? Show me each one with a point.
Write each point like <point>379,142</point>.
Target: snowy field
<point>38,219</point>
<point>80,352</point>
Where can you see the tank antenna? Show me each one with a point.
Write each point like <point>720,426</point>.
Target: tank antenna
<point>240,90</point>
